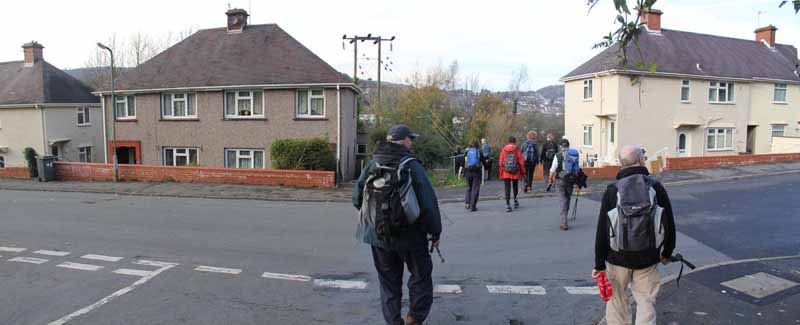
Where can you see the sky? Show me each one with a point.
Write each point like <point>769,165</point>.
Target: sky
<point>488,39</point>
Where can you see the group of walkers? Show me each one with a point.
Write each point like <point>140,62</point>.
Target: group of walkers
<point>399,218</point>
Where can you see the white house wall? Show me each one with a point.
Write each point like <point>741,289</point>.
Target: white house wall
<point>20,128</point>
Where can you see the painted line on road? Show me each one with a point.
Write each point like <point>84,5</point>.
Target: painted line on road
<point>51,253</point>
<point>79,266</point>
<point>448,289</point>
<point>211,269</point>
<point>516,290</point>
<point>290,277</point>
<point>582,290</point>
<point>110,297</point>
<point>133,272</point>
<point>341,284</point>
<point>32,260</point>
<point>154,263</point>
<point>103,258</point>
<point>12,249</point>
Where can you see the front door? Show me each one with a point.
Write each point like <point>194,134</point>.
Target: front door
<point>611,148</point>
<point>683,145</point>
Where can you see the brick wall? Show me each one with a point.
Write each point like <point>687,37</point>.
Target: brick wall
<point>15,172</point>
<point>608,172</point>
<point>148,173</point>
<point>722,161</point>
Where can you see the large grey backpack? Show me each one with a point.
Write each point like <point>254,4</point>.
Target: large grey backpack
<point>635,224</point>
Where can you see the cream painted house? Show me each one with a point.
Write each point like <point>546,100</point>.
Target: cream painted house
<point>709,95</point>
<point>44,108</point>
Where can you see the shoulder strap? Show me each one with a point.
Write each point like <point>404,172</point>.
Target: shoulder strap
<point>403,163</point>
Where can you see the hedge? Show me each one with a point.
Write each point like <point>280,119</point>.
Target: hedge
<point>302,154</point>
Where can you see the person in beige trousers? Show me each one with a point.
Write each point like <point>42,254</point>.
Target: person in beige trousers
<point>632,261</point>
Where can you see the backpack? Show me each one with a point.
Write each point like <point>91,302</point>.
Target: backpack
<point>635,224</point>
<point>568,164</point>
<point>473,158</point>
<point>391,203</point>
<point>529,153</point>
<point>551,152</point>
<point>510,164</point>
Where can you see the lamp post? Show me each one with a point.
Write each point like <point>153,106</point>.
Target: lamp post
<point>113,113</point>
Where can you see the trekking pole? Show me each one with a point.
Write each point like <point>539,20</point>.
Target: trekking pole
<point>438,252</point>
<point>575,209</point>
<point>679,258</point>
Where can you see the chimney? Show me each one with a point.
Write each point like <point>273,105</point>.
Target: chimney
<point>766,34</point>
<point>33,53</point>
<point>237,20</point>
<point>651,18</point>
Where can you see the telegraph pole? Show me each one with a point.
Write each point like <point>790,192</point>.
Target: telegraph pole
<point>376,40</point>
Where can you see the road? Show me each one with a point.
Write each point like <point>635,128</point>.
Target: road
<point>197,261</point>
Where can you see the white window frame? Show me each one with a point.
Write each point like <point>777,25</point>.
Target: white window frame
<point>716,132</point>
<point>86,152</point>
<point>686,84</point>
<point>175,155</point>
<point>123,99</point>
<point>83,112</point>
<point>782,130</point>
<point>588,87</point>
<point>251,153</point>
<point>588,129</point>
<point>785,88</point>
<point>309,97</point>
<point>173,100</point>
<point>716,86</point>
<point>251,97</point>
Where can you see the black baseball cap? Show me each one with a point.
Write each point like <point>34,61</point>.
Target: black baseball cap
<point>564,143</point>
<point>400,132</point>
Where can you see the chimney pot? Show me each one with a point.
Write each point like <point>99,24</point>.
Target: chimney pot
<point>766,34</point>
<point>651,18</point>
<point>237,20</point>
<point>33,53</point>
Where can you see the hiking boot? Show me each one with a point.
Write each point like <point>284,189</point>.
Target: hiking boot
<point>466,206</point>
<point>473,209</point>
<point>508,208</point>
<point>516,204</point>
<point>563,227</point>
<point>525,189</point>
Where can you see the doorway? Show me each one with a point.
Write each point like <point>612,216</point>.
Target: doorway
<point>751,139</point>
<point>126,155</point>
<point>683,145</point>
<point>611,148</point>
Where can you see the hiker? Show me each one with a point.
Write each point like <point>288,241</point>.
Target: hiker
<point>458,161</point>
<point>397,241</point>
<point>473,172</point>
<point>531,157</point>
<point>488,159</point>
<point>511,170</point>
<point>549,151</point>
<point>649,237</point>
<point>564,173</point>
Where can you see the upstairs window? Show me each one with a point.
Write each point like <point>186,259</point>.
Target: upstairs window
<point>720,92</point>
<point>587,89</point>
<point>780,93</point>
<point>244,103</point>
<point>311,103</point>
<point>179,105</point>
<point>83,116</point>
<point>685,90</point>
<point>125,107</point>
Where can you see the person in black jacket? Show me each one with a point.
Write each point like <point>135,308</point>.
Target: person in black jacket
<point>638,268</point>
<point>549,151</point>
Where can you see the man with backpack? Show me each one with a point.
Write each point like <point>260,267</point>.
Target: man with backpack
<point>549,151</point>
<point>488,159</point>
<point>398,214</point>
<point>565,169</point>
<point>511,170</point>
<point>635,231</point>
<point>531,157</point>
<point>473,172</point>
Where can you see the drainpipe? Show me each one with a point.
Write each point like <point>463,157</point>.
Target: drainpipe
<point>44,130</point>
<point>338,133</point>
<point>105,132</point>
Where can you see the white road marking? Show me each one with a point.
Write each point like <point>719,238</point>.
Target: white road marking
<point>101,258</point>
<point>448,288</point>
<point>12,249</point>
<point>582,290</point>
<point>341,284</point>
<point>79,266</point>
<point>154,263</point>
<point>517,290</point>
<point>133,272</point>
<point>203,268</point>
<point>32,260</point>
<point>291,277</point>
<point>116,294</point>
<point>51,253</point>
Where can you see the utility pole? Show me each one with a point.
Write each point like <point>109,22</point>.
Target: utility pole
<point>376,40</point>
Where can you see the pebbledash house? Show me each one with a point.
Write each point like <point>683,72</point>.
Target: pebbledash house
<point>220,97</point>
<point>708,95</point>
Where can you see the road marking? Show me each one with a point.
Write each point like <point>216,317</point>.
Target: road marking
<point>203,268</point>
<point>448,288</point>
<point>582,290</point>
<point>32,260</point>
<point>116,294</point>
<point>341,284</point>
<point>141,273</point>
<point>79,266</point>
<point>51,253</point>
<point>12,249</point>
<point>154,263</point>
<point>102,258</point>
<point>759,285</point>
<point>291,277</point>
<point>517,290</point>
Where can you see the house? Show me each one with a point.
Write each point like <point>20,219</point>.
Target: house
<point>44,108</point>
<point>220,97</point>
<point>708,95</point>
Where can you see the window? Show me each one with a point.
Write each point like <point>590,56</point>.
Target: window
<point>587,89</point>
<point>85,154</point>
<point>719,139</point>
<point>685,90</point>
<point>2,162</point>
<point>587,135</point>
<point>778,130</point>
<point>361,150</point>
<point>244,158</point>
<point>83,116</point>
<point>181,105</point>
<point>125,107</point>
<point>180,156</point>
<point>780,93</point>
<point>244,103</point>
<point>720,92</point>
<point>311,103</point>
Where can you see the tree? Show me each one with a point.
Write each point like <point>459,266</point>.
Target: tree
<point>519,81</point>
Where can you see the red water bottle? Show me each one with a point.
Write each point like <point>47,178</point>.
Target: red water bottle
<point>604,286</point>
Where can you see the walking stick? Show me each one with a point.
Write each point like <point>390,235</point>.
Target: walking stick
<point>575,209</point>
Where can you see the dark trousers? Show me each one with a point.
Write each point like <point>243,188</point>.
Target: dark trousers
<point>487,166</point>
<point>507,186</point>
<point>546,164</point>
<point>530,168</point>
<point>473,187</point>
<point>389,264</point>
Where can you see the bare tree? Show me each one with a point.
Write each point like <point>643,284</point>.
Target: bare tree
<point>519,81</point>
<point>95,72</point>
<point>140,49</point>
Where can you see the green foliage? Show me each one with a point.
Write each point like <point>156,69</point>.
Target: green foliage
<point>30,157</point>
<point>302,154</point>
<point>444,178</point>
<point>374,136</point>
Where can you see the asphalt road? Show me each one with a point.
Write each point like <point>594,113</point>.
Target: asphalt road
<point>197,261</point>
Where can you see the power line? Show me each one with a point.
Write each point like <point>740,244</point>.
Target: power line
<point>376,40</point>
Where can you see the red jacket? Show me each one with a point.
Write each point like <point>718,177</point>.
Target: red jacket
<point>511,149</point>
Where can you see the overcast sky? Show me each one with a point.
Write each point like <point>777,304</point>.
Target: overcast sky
<point>487,38</point>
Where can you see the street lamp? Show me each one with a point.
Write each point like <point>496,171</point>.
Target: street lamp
<point>113,113</point>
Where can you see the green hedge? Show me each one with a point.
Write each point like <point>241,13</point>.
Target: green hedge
<point>302,154</point>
